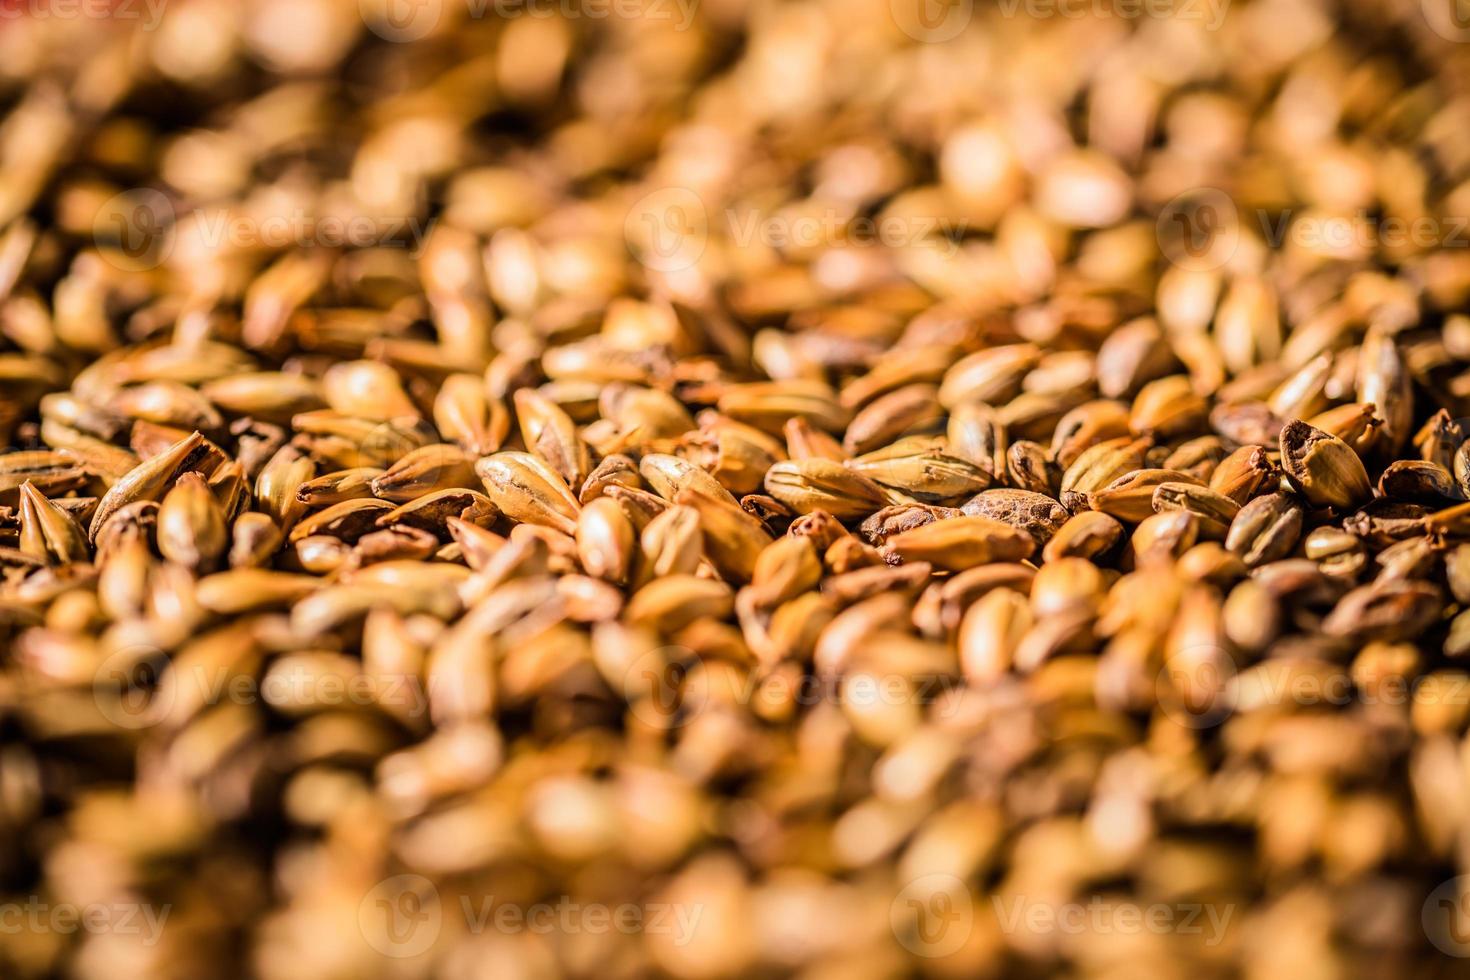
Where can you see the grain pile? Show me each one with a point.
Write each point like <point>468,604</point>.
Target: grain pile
<point>733,488</point>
